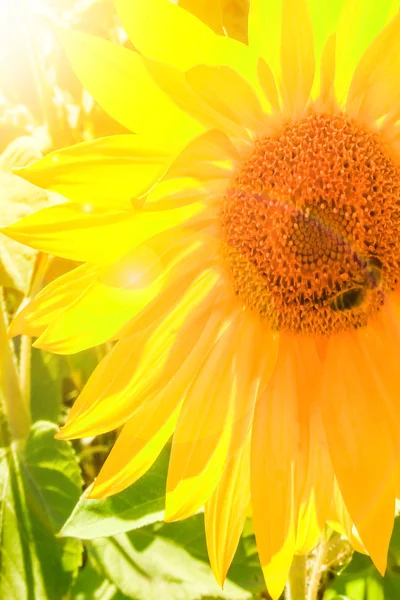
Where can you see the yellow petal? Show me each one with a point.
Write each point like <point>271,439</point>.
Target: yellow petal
<point>169,34</point>
<point>374,91</point>
<point>240,105</point>
<point>325,16</point>
<point>52,301</point>
<point>327,82</point>
<point>226,512</point>
<point>80,233</point>
<point>265,30</point>
<point>155,417</point>
<point>117,294</point>
<point>265,26</point>
<point>254,363</point>
<point>175,84</point>
<point>276,572</point>
<point>297,57</point>
<point>278,425</point>
<point>313,470</point>
<point>120,83</point>
<point>274,440</point>
<point>268,84</point>
<point>202,435</point>
<point>211,155</point>
<point>208,11</point>
<point>108,172</point>
<point>360,22</point>
<point>343,522</point>
<point>225,17</point>
<point>365,471</point>
<point>137,447</point>
<point>176,192</point>
<point>137,366</point>
<point>317,489</point>
<point>308,528</point>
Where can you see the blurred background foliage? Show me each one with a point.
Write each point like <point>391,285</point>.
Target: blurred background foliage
<point>54,543</point>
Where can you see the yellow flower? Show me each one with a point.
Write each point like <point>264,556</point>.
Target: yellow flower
<point>242,249</point>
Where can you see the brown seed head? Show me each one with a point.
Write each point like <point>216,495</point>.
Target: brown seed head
<point>312,216</point>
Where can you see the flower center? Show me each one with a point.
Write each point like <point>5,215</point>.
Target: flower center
<point>311,224</point>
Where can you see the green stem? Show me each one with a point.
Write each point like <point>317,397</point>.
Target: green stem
<point>296,588</point>
<point>317,569</point>
<point>25,370</point>
<point>15,408</point>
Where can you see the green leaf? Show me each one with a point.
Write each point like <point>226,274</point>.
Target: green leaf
<point>361,581</point>
<point>163,561</point>
<point>92,585</point>
<point>155,556</point>
<point>47,374</point>
<point>245,570</point>
<point>139,505</point>
<point>40,484</point>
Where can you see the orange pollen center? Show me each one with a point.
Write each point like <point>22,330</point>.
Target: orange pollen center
<point>311,224</point>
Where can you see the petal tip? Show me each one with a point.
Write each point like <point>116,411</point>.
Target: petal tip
<point>62,434</point>
<point>95,492</point>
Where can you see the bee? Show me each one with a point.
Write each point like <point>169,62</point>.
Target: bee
<point>356,296</point>
<point>374,272</point>
<point>349,299</point>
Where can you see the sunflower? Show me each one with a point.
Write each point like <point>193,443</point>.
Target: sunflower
<point>242,251</point>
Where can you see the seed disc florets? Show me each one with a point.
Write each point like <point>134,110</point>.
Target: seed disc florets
<point>311,224</point>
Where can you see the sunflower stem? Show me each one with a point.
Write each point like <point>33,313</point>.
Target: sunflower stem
<point>25,370</point>
<point>317,569</point>
<point>296,588</point>
<point>15,408</point>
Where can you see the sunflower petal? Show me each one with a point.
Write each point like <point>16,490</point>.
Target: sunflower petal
<point>360,22</point>
<point>352,418</point>
<point>166,32</point>
<point>297,56</point>
<point>138,445</point>
<point>138,364</point>
<point>308,529</point>
<point>224,17</point>
<point>325,16</point>
<point>170,34</point>
<point>117,294</point>
<point>254,363</point>
<point>265,26</point>
<point>202,435</point>
<point>241,106</point>
<point>277,570</point>
<point>268,84</point>
<point>226,512</point>
<point>210,155</point>
<point>374,91</point>
<point>119,81</point>
<point>154,419</point>
<point>327,82</point>
<point>80,233</point>
<point>105,173</point>
<point>280,419</point>
<point>274,440</point>
<point>175,84</point>
<point>52,301</point>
